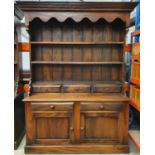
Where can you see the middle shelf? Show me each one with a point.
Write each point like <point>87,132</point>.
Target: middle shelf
<point>77,62</point>
<point>75,43</point>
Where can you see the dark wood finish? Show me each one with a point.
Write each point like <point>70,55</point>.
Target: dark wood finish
<point>77,11</point>
<point>76,63</point>
<point>70,97</point>
<point>76,43</point>
<point>73,6</point>
<point>84,148</point>
<point>77,102</point>
<point>76,123</point>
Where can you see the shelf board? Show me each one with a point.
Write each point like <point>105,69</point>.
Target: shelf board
<point>15,62</point>
<point>76,43</point>
<point>135,57</point>
<point>136,82</point>
<point>76,82</point>
<point>136,106</point>
<point>44,83</point>
<point>77,63</point>
<point>134,136</point>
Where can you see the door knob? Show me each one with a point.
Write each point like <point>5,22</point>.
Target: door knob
<point>101,106</point>
<point>71,129</point>
<point>52,107</point>
<point>82,128</point>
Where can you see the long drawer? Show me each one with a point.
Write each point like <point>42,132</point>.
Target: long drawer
<point>56,106</point>
<point>101,106</point>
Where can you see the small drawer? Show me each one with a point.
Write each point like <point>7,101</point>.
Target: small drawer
<point>52,106</point>
<point>88,106</point>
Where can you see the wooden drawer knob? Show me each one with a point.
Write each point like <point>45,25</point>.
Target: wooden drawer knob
<point>71,129</point>
<point>101,107</point>
<point>82,128</point>
<point>52,107</point>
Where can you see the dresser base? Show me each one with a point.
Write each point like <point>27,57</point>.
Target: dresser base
<point>83,148</point>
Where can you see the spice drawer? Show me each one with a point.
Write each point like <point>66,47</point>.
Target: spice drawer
<point>50,106</point>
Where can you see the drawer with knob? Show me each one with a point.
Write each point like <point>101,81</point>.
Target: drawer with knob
<point>52,106</point>
<point>88,106</point>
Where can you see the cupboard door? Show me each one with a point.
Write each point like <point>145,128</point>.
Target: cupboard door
<point>103,127</point>
<point>52,127</point>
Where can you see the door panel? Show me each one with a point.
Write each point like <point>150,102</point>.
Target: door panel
<point>52,127</point>
<point>102,127</point>
<point>99,126</point>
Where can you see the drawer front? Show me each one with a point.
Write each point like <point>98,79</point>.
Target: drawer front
<point>101,106</point>
<point>52,106</point>
<point>99,127</point>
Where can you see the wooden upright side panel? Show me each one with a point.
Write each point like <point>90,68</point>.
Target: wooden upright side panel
<point>76,122</point>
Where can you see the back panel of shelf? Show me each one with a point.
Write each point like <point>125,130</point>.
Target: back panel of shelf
<point>76,33</point>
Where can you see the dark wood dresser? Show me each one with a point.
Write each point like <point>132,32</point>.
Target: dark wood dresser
<point>77,102</point>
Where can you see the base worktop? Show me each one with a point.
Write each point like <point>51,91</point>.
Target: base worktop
<point>75,97</point>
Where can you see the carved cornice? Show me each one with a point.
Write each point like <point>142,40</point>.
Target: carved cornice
<point>77,6</point>
<point>77,11</point>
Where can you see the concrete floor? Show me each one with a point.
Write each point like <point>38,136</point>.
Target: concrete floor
<point>20,150</point>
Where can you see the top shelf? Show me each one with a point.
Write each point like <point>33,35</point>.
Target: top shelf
<point>76,43</point>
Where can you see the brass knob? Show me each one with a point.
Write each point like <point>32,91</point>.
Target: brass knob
<point>71,129</point>
<point>82,128</point>
<point>101,106</point>
<point>52,106</point>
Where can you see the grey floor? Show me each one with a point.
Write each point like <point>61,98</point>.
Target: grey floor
<point>20,150</point>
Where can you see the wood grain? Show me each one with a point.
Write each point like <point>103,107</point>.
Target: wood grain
<point>83,148</point>
<point>75,97</point>
<point>77,103</point>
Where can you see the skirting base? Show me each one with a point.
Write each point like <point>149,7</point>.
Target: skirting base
<point>82,148</point>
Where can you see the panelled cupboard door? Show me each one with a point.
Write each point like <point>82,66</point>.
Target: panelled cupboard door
<point>52,127</point>
<point>102,127</point>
